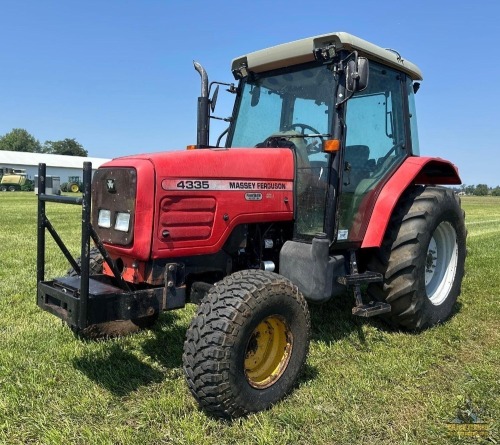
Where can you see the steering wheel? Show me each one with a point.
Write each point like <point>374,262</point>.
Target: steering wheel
<point>304,127</point>
<point>276,141</point>
<point>312,147</point>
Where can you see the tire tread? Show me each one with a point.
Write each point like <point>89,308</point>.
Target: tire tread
<point>209,340</point>
<point>397,260</point>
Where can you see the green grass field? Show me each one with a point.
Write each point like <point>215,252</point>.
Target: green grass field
<point>363,383</point>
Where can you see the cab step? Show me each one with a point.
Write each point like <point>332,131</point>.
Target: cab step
<point>354,280</point>
<point>361,278</point>
<point>371,309</point>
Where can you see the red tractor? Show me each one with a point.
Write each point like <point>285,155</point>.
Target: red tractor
<point>319,188</point>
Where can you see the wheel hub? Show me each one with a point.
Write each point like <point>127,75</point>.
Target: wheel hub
<point>441,263</point>
<point>268,352</point>
<point>430,261</point>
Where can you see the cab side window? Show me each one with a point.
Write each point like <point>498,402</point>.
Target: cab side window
<point>375,145</point>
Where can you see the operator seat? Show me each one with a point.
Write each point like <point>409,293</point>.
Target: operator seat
<point>300,147</point>
<point>357,157</point>
<point>310,190</point>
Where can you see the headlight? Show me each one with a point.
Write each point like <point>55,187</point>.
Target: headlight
<point>104,219</point>
<point>122,221</point>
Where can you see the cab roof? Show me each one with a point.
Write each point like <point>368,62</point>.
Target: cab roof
<point>302,51</point>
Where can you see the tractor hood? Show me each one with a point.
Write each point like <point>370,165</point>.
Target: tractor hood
<point>188,203</point>
<point>257,163</point>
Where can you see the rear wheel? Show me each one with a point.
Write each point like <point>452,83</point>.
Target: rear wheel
<point>73,188</point>
<point>116,328</point>
<point>247,344</point>
<point>422,258</point>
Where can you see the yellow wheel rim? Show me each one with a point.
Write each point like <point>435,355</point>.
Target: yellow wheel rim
<point>268,352</point>
<point>74,188</point>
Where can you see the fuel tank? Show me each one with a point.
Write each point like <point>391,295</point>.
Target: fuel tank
<point>187,203</point>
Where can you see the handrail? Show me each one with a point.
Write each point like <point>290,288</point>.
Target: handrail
<point>60,199</point>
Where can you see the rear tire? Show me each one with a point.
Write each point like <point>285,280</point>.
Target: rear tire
<point>116,328</point>
<point>247,343</point>
<point>73,188</point>
<point>421,258</point>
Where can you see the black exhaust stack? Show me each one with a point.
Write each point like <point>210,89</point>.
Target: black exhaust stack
<point>203,130</point>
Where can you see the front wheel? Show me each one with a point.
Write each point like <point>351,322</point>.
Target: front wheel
<point>247,343</point>
<point>422,258</point>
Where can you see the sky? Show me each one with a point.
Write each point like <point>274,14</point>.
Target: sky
<point>117,75</point>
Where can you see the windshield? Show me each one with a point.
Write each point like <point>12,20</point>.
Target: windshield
<point>295,100</point>
<point>296,104</point>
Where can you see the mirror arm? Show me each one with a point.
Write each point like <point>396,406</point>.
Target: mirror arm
<point>221,136</point>
<point>231,89</point>
<point>342,65</point>
<point>345,99</point>
<point>225,119</point>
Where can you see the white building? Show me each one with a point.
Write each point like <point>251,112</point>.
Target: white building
<point>57,165</point>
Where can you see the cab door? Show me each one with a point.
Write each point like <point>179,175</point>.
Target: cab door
<point>376,143</point>
<point>312,167</point>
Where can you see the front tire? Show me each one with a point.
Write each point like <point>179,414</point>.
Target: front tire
<point>95,266</point>
<point>422,258</point>
<point>247,343</point>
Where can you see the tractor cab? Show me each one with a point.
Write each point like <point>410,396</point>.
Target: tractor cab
<point>345,108</point>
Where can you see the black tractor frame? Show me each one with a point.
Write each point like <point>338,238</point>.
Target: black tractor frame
<point>84,300</point>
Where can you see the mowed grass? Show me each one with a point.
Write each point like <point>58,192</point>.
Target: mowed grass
<point>363,383</point>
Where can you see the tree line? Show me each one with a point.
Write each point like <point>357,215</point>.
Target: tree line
<point>20,140</point>
<point>478,190</point>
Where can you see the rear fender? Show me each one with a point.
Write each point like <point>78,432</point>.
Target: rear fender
<point>414,170</point>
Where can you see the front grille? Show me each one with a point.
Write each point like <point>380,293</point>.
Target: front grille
<point>186,218</point>
<point>114,189</point>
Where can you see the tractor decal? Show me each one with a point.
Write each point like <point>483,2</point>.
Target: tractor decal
<point>203,184</point>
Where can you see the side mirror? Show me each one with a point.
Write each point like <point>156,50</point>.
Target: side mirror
<point>213,101</point>
<point>357,74</point>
